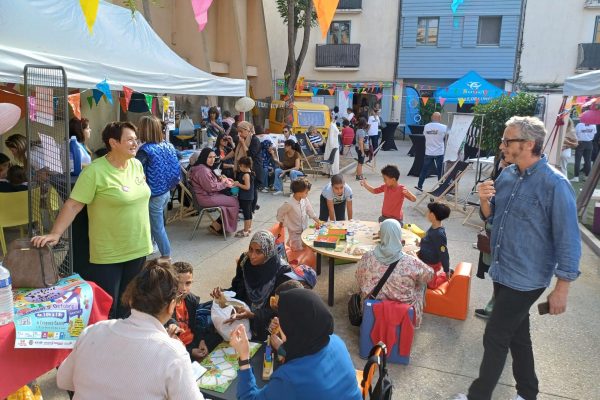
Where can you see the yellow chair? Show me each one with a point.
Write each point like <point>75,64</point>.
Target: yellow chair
<point>13,212</point>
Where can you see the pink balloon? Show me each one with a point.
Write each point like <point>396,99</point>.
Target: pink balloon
<point>590,117</point>
<point>9,116</point>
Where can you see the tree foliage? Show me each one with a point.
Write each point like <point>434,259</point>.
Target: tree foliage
<point>303,15</point>
<point>427,110</point>
<point>497,112</point>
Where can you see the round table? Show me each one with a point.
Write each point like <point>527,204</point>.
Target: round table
<point>363,240</point>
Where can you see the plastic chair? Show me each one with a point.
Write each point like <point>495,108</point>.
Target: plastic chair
<point>326,165</point>
<point>14,211</point>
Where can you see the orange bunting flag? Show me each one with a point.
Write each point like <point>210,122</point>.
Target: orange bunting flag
<point>424,99</point>
<point>331,91</point>
<point>90,10</point>
<point>75,102</point>
<point>461,101</point>
<point>123,103</point>
<point>128,92</point>
<point>325,11</point>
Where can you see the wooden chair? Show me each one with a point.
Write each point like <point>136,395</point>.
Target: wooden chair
<point>448,183</point>
<point>185,196</point>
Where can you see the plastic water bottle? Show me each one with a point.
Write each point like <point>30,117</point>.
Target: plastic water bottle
<point>6,297</point>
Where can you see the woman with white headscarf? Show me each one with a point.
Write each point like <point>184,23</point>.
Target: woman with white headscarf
<point>259,271</point>
<point>333,142</point>
<point>408,281</point>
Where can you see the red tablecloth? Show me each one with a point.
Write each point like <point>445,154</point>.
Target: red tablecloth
<point>20,366</point>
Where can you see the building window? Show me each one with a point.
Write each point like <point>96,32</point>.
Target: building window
<point>339,33</point>
<point>489,31</point>
<point>427,31</point>
<point>597,30</point>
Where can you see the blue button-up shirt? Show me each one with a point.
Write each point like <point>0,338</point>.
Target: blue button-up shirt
<point>535,232</point>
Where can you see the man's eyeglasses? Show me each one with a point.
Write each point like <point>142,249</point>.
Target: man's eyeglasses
<point>506,142</point>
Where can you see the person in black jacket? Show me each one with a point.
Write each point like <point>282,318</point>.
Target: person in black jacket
<point>199,337</point>
<point>434,246</point>
<point>259,272</point>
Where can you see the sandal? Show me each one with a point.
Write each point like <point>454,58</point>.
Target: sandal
<point>212,230</point>
<point>242,234</point>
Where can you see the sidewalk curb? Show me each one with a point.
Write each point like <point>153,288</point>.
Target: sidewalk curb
<point>589,239</point>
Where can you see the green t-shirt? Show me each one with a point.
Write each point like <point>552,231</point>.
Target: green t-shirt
<point>117,206</point>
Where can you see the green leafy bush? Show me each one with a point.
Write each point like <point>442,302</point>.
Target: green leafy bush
<point>497,112</point>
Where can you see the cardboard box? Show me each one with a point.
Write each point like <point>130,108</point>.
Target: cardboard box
<point>337,232</point>
<point>326,241</point>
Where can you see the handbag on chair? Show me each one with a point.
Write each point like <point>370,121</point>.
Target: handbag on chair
<point>355,309</point>
<point>30,267</point>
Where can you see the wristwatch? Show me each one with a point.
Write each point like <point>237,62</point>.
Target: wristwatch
<point>241,363</point>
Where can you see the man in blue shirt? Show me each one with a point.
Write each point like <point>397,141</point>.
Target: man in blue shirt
<point>535,236</point>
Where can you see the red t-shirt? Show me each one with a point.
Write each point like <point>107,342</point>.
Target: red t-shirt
<point>181,313</point>
<point>393,198</point>
<point>347,136</point>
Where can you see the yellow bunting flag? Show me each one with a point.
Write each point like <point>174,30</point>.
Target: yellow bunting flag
<point>165,101</point>
<point>396,97</point>
<point>461,101</point>
<point>90,10</point>
<point>325,11</point>
<point>75,101</point>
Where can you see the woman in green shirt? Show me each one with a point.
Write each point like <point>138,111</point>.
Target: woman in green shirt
<point>115,192</point>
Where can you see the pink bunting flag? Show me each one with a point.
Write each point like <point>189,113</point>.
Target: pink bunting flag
<point>379,96</point>
<point>441,100</point>
<point>485,92</point>
<point>32,108</point>
<point>75,103</point>
<point>476,100</point>
<point>346,93</point>
<point>155,106</point>
<point>201,12</point>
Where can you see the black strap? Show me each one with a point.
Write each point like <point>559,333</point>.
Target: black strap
<point>383,279</point>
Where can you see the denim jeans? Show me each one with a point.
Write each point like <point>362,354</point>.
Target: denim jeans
<point>294,174</point>
<point>157,206</point>
<point>508,328</point>
<point>439,165</point>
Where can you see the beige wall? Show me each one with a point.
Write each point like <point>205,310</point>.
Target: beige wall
<point>552,31</point>
<point>374,28</point>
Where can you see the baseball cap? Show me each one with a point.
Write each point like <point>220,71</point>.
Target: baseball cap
<point>303,273</point>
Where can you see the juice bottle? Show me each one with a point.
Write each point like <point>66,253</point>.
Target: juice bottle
<point>268,361</point>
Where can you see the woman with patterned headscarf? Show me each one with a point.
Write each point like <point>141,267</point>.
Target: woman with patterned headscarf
<point>259,271</point>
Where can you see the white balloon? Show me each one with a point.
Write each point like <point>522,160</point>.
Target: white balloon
<point>9,116</point>
<point>244,104</point>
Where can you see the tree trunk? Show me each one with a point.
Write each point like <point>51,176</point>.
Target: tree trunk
<point>291,73</point>
<point>146,7</point>
<point>305,37</point>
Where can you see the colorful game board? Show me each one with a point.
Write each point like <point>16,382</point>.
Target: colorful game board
<point>222,367</point>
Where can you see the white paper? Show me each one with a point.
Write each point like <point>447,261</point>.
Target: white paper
<point>457,135</point>
<point>51,157</point>
<point>198,370</point>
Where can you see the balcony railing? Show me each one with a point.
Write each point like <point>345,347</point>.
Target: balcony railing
<point>338,55</point>
<point>350,5</point>
<point>592,4</point>
<point>588,56</point>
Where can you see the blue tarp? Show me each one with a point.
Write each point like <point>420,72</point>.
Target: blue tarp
<point>470,87</point>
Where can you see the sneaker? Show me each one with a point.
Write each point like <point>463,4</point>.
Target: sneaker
<point>575,179</point>
<point>359,177</point>
<point>481,313</point>
<point>420,189</point>
<point>518,398</point>
<point>264,190</point>
<point>460,396</point>
<point>278,193</point>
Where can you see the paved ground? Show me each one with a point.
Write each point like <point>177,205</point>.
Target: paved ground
<point>446,353</point>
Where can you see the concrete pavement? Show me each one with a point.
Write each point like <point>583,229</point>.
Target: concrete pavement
<point>446,353</point>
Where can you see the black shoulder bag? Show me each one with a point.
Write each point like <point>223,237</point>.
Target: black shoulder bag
<point>355,312</point>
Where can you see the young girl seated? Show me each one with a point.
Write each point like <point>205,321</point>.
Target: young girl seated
<point>294,214</point>
<point>245,181</point>
<point>16,180</point>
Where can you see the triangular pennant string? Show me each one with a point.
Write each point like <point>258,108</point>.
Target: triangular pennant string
<point>90,10</point>
<point>424,99</point>
<point>75,102</point>
<point>90,100</point>
<point>97,95</point>
<point>148,101</point>
<point>128,92</point>
<point>104,88</point>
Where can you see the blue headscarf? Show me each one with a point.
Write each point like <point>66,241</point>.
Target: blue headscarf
<point>390,248</point>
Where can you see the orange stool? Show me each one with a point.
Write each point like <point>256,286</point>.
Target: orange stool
<point>306,256</point>
<point>451,299</point>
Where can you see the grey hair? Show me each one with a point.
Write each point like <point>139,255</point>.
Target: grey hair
<point>531,129</point>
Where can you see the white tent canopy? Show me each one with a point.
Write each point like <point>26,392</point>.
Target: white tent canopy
<point>123,49</point>
<point>587,84</point>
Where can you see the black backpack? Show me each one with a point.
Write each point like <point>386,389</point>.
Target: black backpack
<point>376,362</point>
